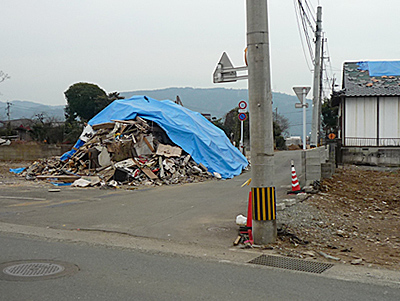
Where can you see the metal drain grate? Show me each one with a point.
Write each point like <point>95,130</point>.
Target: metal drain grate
<point>292,264</point>
<point>36,270</point>
<point>33,269</point>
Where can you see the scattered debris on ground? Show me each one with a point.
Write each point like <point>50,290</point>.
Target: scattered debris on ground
<point>131,153</point>
<point>354,219</point>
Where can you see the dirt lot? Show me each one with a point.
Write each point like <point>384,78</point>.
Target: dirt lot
<point>355,218</point>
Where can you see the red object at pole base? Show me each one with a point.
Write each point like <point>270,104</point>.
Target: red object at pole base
<point>249,223</point>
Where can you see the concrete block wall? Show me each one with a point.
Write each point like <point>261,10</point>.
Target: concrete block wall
<point>311,165</point>
<point>376,156</point>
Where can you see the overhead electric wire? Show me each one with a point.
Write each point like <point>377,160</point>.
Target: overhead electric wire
<point>297,12</point>
<point>306,21</point>
<point>311,12</point>
<point>308,40</point>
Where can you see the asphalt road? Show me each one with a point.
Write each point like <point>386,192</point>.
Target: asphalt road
<point>122,274</point>
<point>201,213</point>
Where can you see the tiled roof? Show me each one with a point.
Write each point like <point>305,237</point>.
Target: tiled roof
<point>358,82</point>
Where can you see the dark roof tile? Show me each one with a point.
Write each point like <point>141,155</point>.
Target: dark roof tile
<point>358,82</point>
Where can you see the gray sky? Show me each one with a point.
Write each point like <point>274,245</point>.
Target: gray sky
<point>124,45</point>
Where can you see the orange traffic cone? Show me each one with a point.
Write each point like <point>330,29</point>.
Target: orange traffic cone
<point>295,181</point>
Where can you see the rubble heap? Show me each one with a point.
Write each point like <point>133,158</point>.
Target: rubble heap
<point>123,152</point>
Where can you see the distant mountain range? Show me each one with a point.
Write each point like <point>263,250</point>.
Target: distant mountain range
<point>28,109</point>
<point>214,101</point>
<point>219,101</point>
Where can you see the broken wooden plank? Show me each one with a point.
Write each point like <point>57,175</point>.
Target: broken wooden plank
<point>63,178</point>
<point>203,167</point>
<point>237,240</point>
<point>106,125</point>
<point>132,122</point>
<point>148,144</point>
<point>149,173</point>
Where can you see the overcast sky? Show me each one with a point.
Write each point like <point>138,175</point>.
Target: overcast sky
<point>125,45</point>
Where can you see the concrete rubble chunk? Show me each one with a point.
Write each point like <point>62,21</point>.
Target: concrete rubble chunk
<point>301,197</point>
<point>217,175</point>
<point>81,183</point>
<point>280,206</point>
<point>356,261</point>
<point>289,202</point>
<point>168,151</point>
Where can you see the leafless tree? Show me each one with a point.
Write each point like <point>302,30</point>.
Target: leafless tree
<point>3,76</point>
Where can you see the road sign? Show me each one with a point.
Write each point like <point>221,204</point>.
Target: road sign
<point>300,105</point>
<point>299,92</point>
<point>242,116</point>
<point>242,110</point>
<point>225,72</point>
<point>242,104</point>
<point>331,136</point>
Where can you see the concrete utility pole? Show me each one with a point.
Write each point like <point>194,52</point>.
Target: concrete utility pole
<point>317,78</point>
<point>321,87</point>
<point>261,126</point>
<point>8,111</point>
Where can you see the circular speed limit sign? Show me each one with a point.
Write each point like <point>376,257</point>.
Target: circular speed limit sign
<point>242,104</point>
<point>242,116</point>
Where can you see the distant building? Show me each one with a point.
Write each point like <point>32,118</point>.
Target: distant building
<point>16,123</point>
<point>294,140</point>
<point>369,104</point>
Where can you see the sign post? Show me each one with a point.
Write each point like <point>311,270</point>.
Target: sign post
<point>301,93</point>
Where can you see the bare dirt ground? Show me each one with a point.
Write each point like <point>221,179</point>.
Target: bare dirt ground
<point>354,219</point>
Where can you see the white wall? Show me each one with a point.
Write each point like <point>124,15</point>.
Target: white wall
<point>360,120</point>
<point>389,123</point>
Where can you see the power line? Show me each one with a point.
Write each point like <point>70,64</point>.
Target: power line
<point>298,16</point>
<point>311,12</point>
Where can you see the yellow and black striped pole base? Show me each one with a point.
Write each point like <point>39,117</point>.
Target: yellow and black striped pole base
<point>264,203</point>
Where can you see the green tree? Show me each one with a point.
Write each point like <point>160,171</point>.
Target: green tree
<point>283,123</point>
<point>329,117</point>
<point>47,129</point>
<point>84,100</point>
<point>231,127</point>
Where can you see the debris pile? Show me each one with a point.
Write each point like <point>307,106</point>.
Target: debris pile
<point>123,152</point>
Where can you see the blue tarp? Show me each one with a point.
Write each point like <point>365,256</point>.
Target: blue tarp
<point>69,154</point>
<point>380,68</point>
<point>17,170</point>
<point>206,143</point>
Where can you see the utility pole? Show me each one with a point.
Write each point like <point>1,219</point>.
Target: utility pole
<point>261,123</point>
<point>8,117</point>
<point>321,86</point>
<point>317,78</point>
<point>8,110</point>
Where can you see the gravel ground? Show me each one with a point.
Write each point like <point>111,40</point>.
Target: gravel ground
<point>354,219</point>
